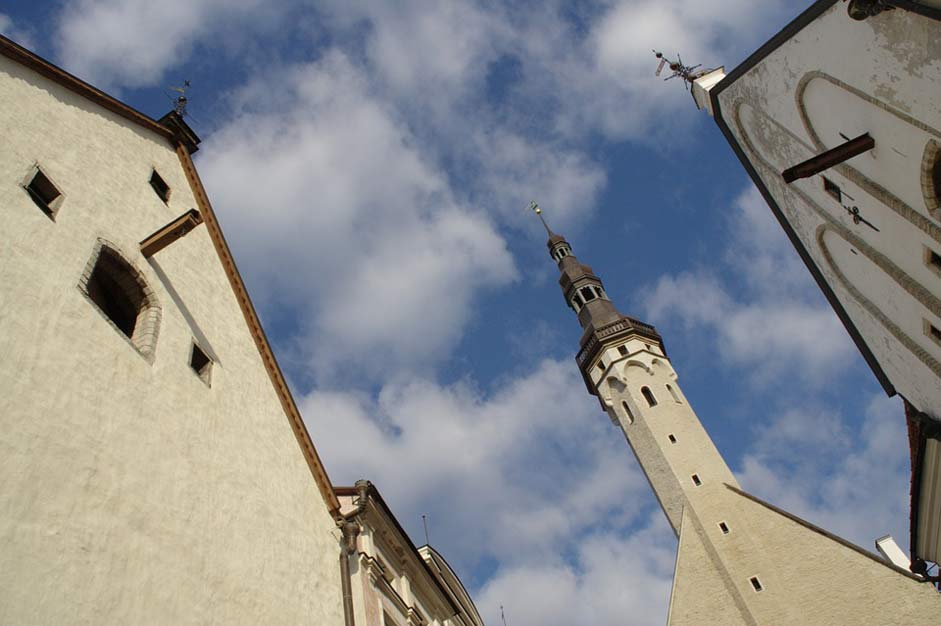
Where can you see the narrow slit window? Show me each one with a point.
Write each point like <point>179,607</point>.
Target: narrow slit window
<point>601,365</point>
<point>696,480</point>
<point>43,192</point>
<point>832,189</point>
<point>755,583</point>
<point>648,396</point>
<point>627,412</point>
<point>201,363</point>
<point>160,186</point>
<point>672,438</point>
<point>622,350</point>
<point>587,294</point>
<point>724,528</point>
<point>672,391</point>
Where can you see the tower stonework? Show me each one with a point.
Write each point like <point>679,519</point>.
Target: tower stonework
<point>740,560</point>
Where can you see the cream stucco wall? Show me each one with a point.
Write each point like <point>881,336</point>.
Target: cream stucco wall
<point>837,79</point>
<point>131,492</point>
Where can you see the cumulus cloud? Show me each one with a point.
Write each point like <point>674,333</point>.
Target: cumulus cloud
<point>131,43</point>
<point>773,320</point>
<point>14,32</point>
<point>327,199</point>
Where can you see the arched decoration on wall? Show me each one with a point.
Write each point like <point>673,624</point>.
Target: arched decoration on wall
<point>902,122</point>
<point>672,391</point>
<point>648,396</point>
<point>771,127</point>
<point>900,335</point>
<point>627,412</point>
<point>910,285</point>
<point>931,178</point>
<point>118,290</point>
<point>635,363</point>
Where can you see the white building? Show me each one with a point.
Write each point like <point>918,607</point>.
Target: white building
<point>837,120</point>
<point>154,468</point>
<point>740,560</point>
<point>391,582</point>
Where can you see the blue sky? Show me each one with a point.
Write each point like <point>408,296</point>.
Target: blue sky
<point>372,163</point>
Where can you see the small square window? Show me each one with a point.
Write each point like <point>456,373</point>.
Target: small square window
<point>201,363</point>
<point>833,189</point>
<point>933,260</point>
<point>160,186</point>
<point>755,583</point>
<point>724,528</point>
<point>43,191</point>
<point>933,331</point>
<point>696,480</point>
<point>622,350</point>
<point>601,365</point>
<point>587,294</point>
<point>672,438</point>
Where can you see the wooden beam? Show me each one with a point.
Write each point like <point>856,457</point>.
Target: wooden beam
<point>170,233</point>
<point>826,160</point>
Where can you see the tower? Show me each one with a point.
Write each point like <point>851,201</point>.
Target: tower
<point>740,559</point>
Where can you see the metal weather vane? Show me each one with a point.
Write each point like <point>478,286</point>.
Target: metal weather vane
<point>538,211</point>
<point>688,73</point>
<point>181,101</point>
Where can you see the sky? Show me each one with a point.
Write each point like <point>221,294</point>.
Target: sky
<point>372,163</point>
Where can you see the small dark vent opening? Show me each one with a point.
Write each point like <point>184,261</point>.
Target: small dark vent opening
<point>724,528</point>
<point>160,186</point>
<point>622,350</point>
<point>696,480</point>
<point>672,438</point>
<point>43,192</point>
<point>755,583</point>
<point>201,363</point>
<point>115,291</point>
<point>934,260</point>
<point>833,189</point>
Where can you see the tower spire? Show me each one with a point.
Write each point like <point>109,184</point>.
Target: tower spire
<point>535,207</point>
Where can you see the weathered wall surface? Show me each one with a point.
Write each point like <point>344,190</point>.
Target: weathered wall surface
<point>836,80</point>
<point>131,492</point>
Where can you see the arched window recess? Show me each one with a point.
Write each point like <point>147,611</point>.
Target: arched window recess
<point>648,396</point>
<point>673,393</point>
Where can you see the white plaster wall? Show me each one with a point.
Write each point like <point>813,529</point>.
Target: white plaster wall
<point>894,58</point>
<point>131,492</point>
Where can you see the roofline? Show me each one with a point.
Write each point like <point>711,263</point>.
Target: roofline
<point>439,556</point>
<point>33,61</point>
<point>258,334</point>
<point>817,529</point>
<point>770,46</point>
<point>374,493</point>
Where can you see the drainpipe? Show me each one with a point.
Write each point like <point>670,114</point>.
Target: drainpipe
<point>349,527</point>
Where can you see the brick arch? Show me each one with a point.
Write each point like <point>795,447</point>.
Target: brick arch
<point>138,317</point>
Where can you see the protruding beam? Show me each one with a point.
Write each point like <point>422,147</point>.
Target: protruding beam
<point>826,160</point>
<point>170,233</point>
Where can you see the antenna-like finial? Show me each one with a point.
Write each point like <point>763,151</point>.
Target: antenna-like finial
<point>688,73</point>
<point>424,521</point>
<point>538,211</point>
<point>502,616</point>
<point>181,100</point>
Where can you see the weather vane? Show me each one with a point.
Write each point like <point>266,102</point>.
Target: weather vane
<point>688,73</point>
<point>538,211</point>
<point>181,100</point>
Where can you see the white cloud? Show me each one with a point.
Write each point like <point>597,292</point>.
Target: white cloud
<point>779,324</point>
<point>854,482</point>
<point>132,43</point>
<point>327,198</point>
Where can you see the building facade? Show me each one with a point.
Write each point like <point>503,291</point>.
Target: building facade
<point>740,560</point>
<point>153,466</point>
<point>390,581</point>
<point>837,120</point>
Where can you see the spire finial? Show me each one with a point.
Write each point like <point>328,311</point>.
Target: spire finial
<point>181,100</point>
<point>538,211</point>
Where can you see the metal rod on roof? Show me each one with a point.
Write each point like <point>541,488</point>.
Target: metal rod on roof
<point>502,616</point>
<point>424,521</point>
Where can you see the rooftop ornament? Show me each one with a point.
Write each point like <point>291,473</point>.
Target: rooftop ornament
<point>688,73</point>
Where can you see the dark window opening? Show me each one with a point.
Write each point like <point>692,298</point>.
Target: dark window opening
<point>724,528</point>
<point>115,291</point>
<point>160,186</point>
<point>933,259</point>
<point>201,363</point>
<point>627,412</point>
<point>696,480</point>
<point>622,350</point>
<point>577,300</point>
<point>833,189</point>
<point>601,365</point>
<point>43,192</point>
<point>934,332</point>
<point>648,395</point>
<point>755,583</point>
<point>936,176</point>
<point>587,294</point>
<point>672,438</point>
<point>676,398</point>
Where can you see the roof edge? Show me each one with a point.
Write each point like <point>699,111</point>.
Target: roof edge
<point>41,66</point>
<point>258,334</point>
